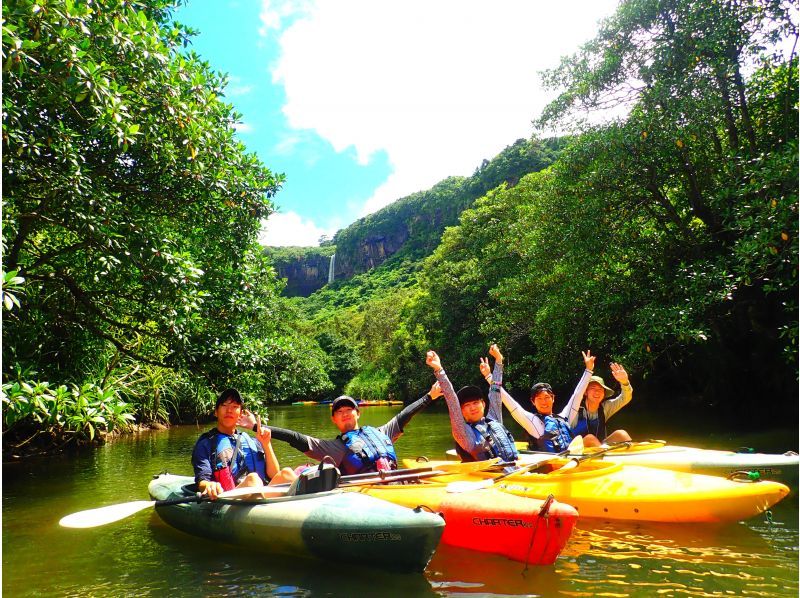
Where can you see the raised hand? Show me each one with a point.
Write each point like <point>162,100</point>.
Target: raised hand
<point>432,359</point>
<point>494,351</point>
<point>484,367</point>
<point>264,435</point>
<point>619,373</point>
<point>588,360</point>
<point>246,420</point>
<point>436,391</point>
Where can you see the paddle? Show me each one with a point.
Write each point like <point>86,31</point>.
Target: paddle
<point>466,486</point>
<point>112,513</point>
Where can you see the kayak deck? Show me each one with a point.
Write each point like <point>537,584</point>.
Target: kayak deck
<point>488,520</point>
<point>335,525</point>
<point>661,455</point>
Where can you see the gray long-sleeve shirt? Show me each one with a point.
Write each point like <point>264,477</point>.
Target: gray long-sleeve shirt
<point>317,448</point>
<point>459,427</point>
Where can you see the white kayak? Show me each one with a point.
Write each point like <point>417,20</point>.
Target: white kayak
<point>662,455</point>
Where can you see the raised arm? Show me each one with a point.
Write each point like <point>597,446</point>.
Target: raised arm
<point>395,426</point>
<point>532,424</point>
<point>458,426</point>
<point>264,436</point>
<point>611,406</point>
<point>570,410</point>
<point>495,380</point>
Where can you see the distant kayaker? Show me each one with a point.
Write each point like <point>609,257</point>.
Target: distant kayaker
<point>546,430</point>
<point>598,408</point>
<point>477,427</point>
<point>357,449</point>
<point>224,458</point>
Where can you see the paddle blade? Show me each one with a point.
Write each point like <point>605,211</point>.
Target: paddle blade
<point>458,487</point>
<point>576,446</point>
<point>104,515</point>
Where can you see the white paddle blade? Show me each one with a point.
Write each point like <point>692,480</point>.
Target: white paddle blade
<point>103,515</point>
<point>458,487</point>
<point>576,446</point>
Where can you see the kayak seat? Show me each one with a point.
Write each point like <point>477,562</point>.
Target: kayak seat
<point>315,479</point>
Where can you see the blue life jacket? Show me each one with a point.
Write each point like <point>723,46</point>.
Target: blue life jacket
<point>557,434</point>
<point>240,452</point>
<point>495,440</point>
<point>365,446</point>
<point>585,426</point>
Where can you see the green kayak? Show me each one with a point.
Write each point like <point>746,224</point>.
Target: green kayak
<point>335,525</point>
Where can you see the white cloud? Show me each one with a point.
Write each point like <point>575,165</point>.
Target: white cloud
<point>242,128</point>
<point>438,85</point>
<point>291,229</point>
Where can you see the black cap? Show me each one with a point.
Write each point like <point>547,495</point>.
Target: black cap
<point>342,401</point>
<point>469,393</point>
<point>229,393</point>
<point>541,387</point>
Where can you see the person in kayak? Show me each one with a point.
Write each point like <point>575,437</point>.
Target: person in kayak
<point>357,449</point>
<point>477,427</point>
<point>546,430</point>
<point>225,458</point>
<point>597,408</point>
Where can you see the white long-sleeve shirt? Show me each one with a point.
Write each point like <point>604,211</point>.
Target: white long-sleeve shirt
<point>533,424</point>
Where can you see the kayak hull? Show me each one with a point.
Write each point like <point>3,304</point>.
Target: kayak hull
<point>604,490</point>
<point>487,520</point>
<point>331,525</point>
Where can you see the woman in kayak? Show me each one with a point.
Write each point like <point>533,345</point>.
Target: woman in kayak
<point>548,431</point>
<point>477,427</point>
<point>598,408</point>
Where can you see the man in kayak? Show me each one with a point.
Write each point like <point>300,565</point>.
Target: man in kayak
<point>357,449</point>
<point>477,427</point>
<point>224,458</point>
<point>546,430</point>
<point>598,408</point>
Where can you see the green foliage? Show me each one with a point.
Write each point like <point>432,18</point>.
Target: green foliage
<point>39,415</point>
<point>345,361</point>
<point>667,239</point>
<point>131,213</point>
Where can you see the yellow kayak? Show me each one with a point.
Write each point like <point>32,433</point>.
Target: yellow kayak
<point>601,489</point>
<point>660,454</point>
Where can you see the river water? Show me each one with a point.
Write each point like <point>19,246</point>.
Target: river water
<point>141,556</point>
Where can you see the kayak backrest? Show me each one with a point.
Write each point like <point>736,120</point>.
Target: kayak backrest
<point>315,479</point>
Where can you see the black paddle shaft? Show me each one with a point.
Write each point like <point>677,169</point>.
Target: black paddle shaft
<point>182,500</point>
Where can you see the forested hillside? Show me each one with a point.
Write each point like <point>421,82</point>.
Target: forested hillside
<point>666,239</point>
<point>410,228</point>
<point>134,288</point>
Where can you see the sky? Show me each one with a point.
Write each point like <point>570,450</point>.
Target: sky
<point>361,102</point>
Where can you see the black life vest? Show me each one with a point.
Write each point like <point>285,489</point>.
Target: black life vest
<point>494,439</point>
<point>368,449</point>
<point>557,434</point>
<point>585,426</point>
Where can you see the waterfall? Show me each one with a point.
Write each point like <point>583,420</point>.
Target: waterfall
<point>331,267</point>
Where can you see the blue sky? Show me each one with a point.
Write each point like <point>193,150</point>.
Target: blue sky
<point>362,102</point>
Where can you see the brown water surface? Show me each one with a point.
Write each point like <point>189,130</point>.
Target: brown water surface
<point>141,556</point>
